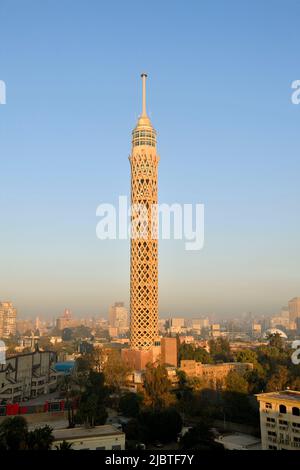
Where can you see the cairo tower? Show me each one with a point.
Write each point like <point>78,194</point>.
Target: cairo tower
<point>144,244</point>
<point>144,254</point>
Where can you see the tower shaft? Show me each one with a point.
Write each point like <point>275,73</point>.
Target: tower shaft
<point>144,244</point>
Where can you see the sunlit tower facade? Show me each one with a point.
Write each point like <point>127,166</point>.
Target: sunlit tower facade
<point>144,244</point>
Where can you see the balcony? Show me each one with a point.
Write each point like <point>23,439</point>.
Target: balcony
<point>283,427</point>
<point>272,439</point>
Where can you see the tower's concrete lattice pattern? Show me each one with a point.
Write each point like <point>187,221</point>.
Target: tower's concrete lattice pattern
<point>144,245</point>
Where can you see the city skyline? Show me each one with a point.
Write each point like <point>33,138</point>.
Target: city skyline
<point>228,133</point>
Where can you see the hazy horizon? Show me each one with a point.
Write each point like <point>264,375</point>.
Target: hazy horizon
<point>219,96</point>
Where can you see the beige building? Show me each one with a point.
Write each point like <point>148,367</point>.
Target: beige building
<point>215,330</point>
<point>282,319</point>
<point>26,376</point>
<point>176,325</point>
<point>280,420</point>
<point>118,317</point>
<point>294,311</point>
<point>8,319</point>
<point>197,324</point>
<point>66,321</point>
<point>213,375</point>
<point>104,437</point>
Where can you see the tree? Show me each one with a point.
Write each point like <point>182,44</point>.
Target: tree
<point>157,387</point>
<point>247,355</point>
<point>163,425</point>
<point>67,334</point>
<point>91,409</point>
<point>235,382</point>
<point>13,433</point>
<point>275,340</point>
<point>116,371</point>
<point>182,378</point>
<point>64,445</point>
<point>40,438</point>
<point>279,380</point>
<point>200,437</point>
<point>220,349</point>
<point>130,404</point>
<point>189,351</point>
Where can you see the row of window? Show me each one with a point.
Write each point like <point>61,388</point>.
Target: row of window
<point>144,142</point>
<point>283,409</point>
<point>143,134</point>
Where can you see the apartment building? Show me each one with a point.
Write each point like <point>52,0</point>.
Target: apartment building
<point>26,376</point>
<point>280,420</point>
<point>8,316</point>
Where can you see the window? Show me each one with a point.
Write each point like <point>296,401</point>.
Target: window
<point>100,448</point>
<point>283,423</point>
<point>272,447</point>
<point>271,420</point>
<point>282,409</point>
<point>271,433</point>
<point>269,406</point>
<point>296,411</point>
<point>116,447</point>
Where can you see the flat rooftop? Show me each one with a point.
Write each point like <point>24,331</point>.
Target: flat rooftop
<point>240,440</point>
<point>290,395</point>
<point>82,432</point>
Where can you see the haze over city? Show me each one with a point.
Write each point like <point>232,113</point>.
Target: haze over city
<point>227,137</point>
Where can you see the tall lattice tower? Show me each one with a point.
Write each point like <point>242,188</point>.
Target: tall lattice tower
<point>144,245</point>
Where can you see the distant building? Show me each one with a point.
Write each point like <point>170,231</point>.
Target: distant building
<point>118,316</point>
<point>256,329</point>
<point>213,374</point>
<point>66,321</point>
<point>162,325</point>
<point>104,437</point>
<point>215,330</point>
<point>280,420</point>
<point>8,318</point>
<point>176,325</point>
<point>294,312</point>
<point>197,324</point>
<point>28,375</point>
<point>281,320</point>
<point>24,326</point>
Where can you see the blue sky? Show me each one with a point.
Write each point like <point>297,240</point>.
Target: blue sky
<point>219,95</point>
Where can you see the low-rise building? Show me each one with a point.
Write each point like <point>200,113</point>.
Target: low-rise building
<point>213,374</point>
<point>239,441</point>
<point>280,420</point>
<point>104,437</point>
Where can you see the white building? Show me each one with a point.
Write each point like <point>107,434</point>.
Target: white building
<point>280,420</point>
<point>239,441</point>
<point>104,437</point>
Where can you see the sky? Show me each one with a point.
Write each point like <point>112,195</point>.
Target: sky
<point>219,95</point>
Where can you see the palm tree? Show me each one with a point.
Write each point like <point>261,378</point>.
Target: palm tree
<point>64,445</point>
